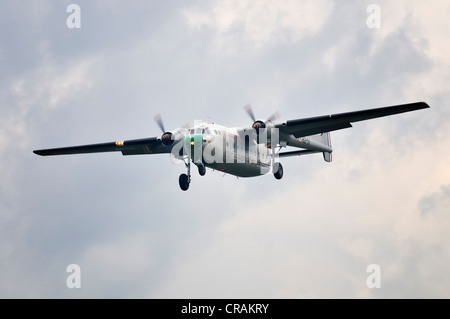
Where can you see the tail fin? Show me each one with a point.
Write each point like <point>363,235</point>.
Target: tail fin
<point>327,156</point>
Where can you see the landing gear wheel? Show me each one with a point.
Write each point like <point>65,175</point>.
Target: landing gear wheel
<point>279,171</point>
<point>201,170</point>
<point>184,182</point>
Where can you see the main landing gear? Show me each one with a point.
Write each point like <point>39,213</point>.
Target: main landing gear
<point>278,169</point>
<point>201,169</point>
<point>185,179</point>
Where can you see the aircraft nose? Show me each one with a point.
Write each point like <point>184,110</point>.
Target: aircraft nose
<point>193,146</point>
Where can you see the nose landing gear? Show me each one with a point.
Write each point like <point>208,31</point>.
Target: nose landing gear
<point>185,179</point>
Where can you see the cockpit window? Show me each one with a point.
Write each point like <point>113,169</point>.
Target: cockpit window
<point>207,131</point>
<point>192,131</point>
<point>198,131</point>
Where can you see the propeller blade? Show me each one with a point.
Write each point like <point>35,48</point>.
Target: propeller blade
<point>249,111</point>
<point>274,116</point>
<point>159,121</point>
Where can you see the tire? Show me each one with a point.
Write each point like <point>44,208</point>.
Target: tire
<point>184,182</point>
<point>202,170</point>
<point>279,173</point>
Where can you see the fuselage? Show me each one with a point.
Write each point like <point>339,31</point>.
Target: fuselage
<point>229,150</point>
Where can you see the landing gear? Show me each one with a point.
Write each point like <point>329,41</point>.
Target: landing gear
<point>201,169</point>
<point>184,182</point>
<point>278,169</point>
<point>185,179</point>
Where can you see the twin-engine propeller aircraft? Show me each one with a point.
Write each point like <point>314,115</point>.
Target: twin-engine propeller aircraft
<point>241,151</point>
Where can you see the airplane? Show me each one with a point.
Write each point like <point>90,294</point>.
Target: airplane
<point>241,151</point>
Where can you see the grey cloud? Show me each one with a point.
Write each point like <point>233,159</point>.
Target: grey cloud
<point>123,219</point>
<point>436,203</point>
<point>418,271</point>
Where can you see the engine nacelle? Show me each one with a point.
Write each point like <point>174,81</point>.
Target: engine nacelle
<point>258,125</point>
<point>167,139</point>
<point>264,132</point>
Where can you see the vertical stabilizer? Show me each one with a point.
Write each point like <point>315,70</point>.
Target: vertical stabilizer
<point>327,156</point>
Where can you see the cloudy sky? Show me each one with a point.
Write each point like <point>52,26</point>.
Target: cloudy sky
<point>384,200</point>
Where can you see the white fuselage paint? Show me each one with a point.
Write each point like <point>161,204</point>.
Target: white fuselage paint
<point>225,150</point>
<point>236,151</point>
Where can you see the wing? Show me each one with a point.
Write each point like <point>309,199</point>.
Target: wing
<point>150,145</point>
<point>333,122</point>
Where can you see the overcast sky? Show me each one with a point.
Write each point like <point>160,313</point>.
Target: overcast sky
<point>384,200</point>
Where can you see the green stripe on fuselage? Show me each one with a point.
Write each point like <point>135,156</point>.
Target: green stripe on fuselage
<point>193,145</point>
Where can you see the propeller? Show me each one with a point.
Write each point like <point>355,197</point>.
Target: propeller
<point>167,137</point>
<point>274,116</point>
<point>159,121</point>
<point>259,124</point>
<point>249,110</point>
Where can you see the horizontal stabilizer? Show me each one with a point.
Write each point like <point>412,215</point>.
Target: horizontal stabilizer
<point>297,153</point>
